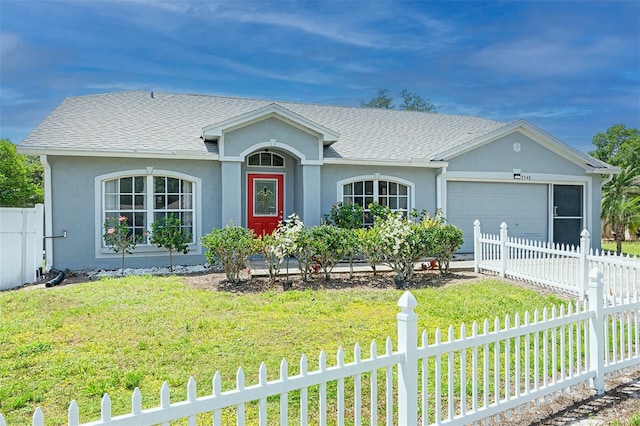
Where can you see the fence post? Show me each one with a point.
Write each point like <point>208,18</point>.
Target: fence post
<point>596,328</point>
<point>585,244</point>
<point>408,370</point>
<point>477,248</point>
<point>503,249</point>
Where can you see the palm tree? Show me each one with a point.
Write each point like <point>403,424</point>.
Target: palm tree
<point>621,203</point>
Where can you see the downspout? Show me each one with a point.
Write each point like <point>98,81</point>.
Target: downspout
<point>441,191</point>
<point>48,220</point>
<point>607,180</point>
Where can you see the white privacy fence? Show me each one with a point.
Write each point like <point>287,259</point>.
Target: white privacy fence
<point>21,236</point>
<point>466,376</point>
<point>563,268</point>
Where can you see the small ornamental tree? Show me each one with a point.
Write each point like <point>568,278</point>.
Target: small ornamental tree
<point>402,244</point>
<point>370,246</point>
<point>273,255</point>
<point>286,237</point>
<point>231,246</point>
<point>328,245</point>
<point>119,237</point>
<point>168,233</point>
<point>447,238</point>
<point>348,217</point>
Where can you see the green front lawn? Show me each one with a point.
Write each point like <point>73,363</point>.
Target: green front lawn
<point>79,341</point>
<point>628,247</point>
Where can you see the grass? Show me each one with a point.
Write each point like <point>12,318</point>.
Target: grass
<point>628,247</point>
<point>80,341</point>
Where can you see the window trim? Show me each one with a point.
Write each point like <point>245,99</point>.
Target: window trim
<point>376,178</point>
<point>145,250</point>
<point>271,154</point>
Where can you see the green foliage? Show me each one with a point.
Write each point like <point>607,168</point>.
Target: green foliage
<point>621,203</point>
<point>304,252</point>
<point>21,178</point>
<point>119,237</point>
<point>619,146</point>
<point>370,245</point>
<point>328,246</point>
<point>168,233</point>
<point>348,216</point>
<point>231,246</point>
<point>273,254</point>
<point>447,238</point>
<point>410,102</point>
<point>378,211</point>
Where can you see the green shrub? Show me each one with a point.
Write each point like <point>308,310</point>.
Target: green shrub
<point>168,233</point>
<point>231,246</point>
<point>329,246</point>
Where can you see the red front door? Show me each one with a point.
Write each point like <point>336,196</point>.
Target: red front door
<point>265,202</point>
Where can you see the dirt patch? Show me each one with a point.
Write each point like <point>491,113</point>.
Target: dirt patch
<point>580,406</point>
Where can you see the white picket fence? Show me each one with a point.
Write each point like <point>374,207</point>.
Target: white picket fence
<point>564,268</point>
<point>21,237</point>
<point>472,377</point>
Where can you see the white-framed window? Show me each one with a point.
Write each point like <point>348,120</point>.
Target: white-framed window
<point>265,159</point>
<point>395,193</point>
<point>144,197</point>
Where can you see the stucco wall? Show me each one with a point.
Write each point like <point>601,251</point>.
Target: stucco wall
<point>74,208</point>
<point>239,140</point>
<point>500,156</point>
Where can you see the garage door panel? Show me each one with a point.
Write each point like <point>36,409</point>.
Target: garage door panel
<point>522,206</point>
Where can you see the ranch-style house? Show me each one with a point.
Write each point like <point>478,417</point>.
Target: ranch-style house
<point>213,159</point>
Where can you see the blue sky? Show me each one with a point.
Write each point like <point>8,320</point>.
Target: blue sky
<point>569,67</point>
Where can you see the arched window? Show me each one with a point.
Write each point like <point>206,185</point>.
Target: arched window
<point>385,191</point>
<point>143,199</point>
<point>265,159</point>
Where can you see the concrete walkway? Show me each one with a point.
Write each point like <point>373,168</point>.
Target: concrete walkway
<point>259,267</point>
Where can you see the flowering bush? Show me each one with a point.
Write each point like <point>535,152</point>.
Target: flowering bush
<point>119,237</point>
<point>231,246</point>
<point>402,244</point>
<point>286,236</point>
<point>168,233</point>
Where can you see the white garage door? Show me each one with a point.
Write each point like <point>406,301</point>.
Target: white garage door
<point>522,206</point>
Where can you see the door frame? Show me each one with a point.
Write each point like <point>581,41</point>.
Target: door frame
<point>281,199</point>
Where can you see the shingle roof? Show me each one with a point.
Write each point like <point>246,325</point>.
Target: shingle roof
<point>129,121</point>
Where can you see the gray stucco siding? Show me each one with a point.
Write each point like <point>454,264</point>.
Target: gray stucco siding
<point>500,156</point>
<point>239,140</point>
<point>424,181</point>
<point>74,208</point>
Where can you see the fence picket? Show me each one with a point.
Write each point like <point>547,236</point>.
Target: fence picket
<point>357,389</point>
<point>240,408</point>
<point>262,403</point>
<point>284,396</point>
<point>136,402</point>
<point>373,354</point>
<point>38,417</point>
<point>191,397</point>
<point>322,415</point>
<point>389,384</point>
<point>216,384</point>
<point>74,414</point>
<point>304,394</point>
<point>105,408</point>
